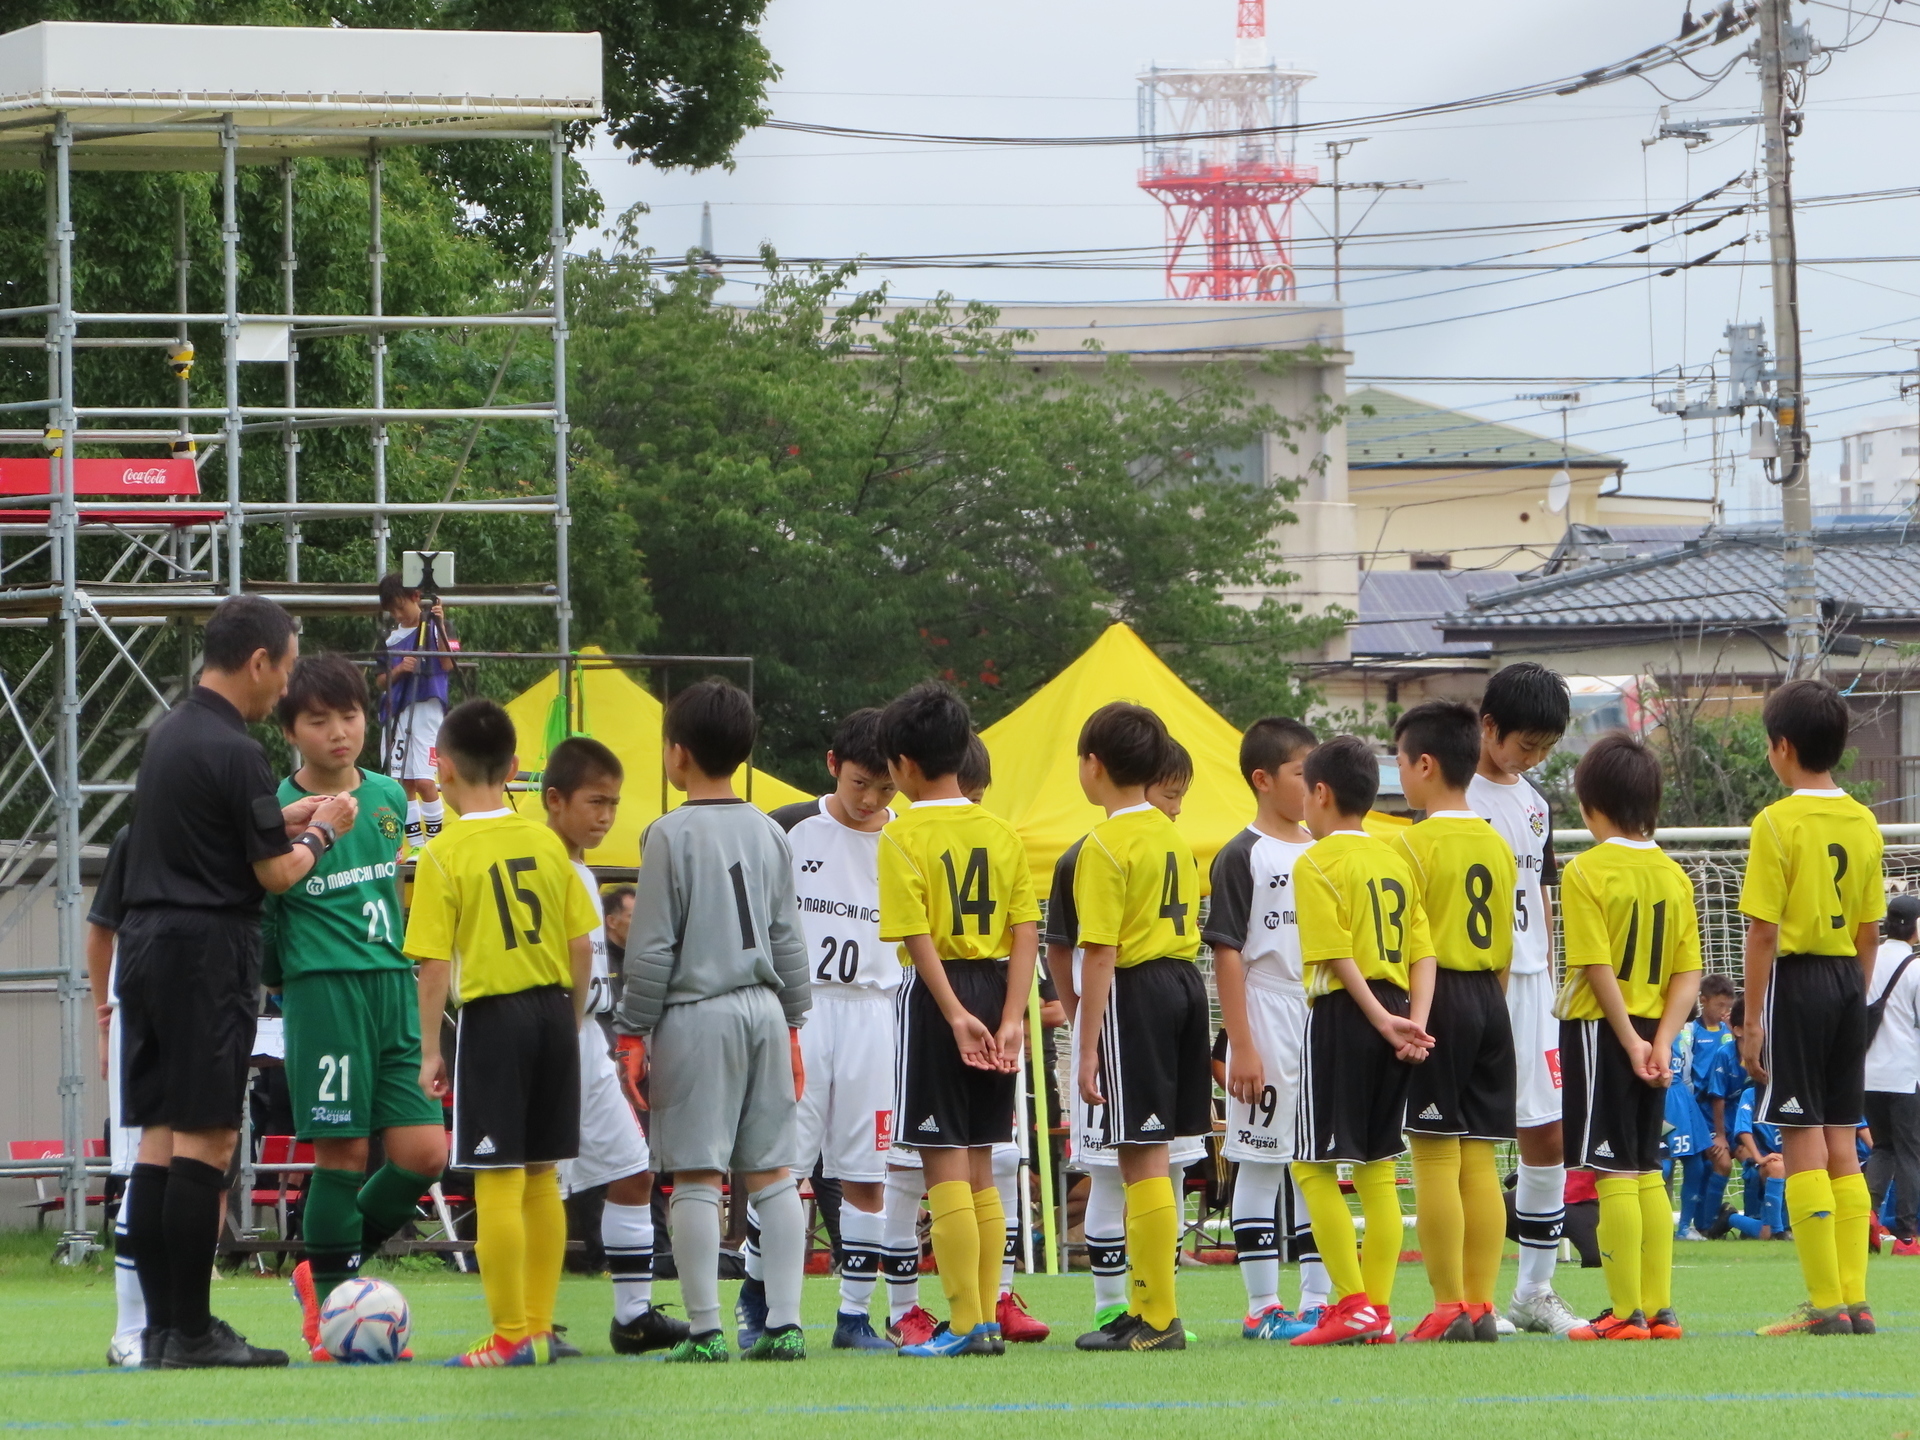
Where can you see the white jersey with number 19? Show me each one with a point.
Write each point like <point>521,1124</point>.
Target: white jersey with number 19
<point>1522,817</point>
<point>836,879</point>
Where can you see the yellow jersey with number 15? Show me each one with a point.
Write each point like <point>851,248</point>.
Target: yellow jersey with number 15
<point>951,871</point>
<point>1137,887</point>
<point>1627,905</point>
<point>497,896</point>
<point>1813,869</point>
<point>1463,872</point>
<point>1355,898</point>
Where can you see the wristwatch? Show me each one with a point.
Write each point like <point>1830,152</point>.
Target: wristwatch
<point>327,832</point>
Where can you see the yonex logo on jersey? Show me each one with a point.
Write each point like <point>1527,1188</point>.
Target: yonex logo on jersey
<point>1791,1106</point>
<point>811,867</point>
<point>1152,1122</point>
<point>1432,1112</point>
<point>485,1147</point>
<point>1278,882</point>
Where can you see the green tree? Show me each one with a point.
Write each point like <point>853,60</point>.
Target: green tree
<point>860,498</point>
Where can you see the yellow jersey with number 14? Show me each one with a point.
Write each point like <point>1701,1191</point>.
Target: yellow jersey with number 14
<point>497,896</point>
<point>1463,873</point>
<point>1813,869</point>
<point>1355,899</point>
<point>1137,887</point>
<point>1625,904</point>
<point>951,871</point>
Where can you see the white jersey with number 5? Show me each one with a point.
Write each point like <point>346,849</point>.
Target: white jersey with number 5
<point>836,879</point>
<point>1525,821</point>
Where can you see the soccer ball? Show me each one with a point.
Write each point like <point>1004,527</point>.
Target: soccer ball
<point>365,1322</point>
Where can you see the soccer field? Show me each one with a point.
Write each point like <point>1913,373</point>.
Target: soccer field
<point>56,1324</point>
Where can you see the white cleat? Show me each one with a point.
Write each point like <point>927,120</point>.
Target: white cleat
<point>1503,1326</point>
<point>127,1349</point>
<point>1545,1314</point>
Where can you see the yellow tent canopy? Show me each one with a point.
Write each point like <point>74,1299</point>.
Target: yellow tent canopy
<point>1036,774</point>
<point>626,719</point>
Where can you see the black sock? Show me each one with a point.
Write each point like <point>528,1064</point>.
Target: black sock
<point>146,1200</point>
<point>191,1227</point>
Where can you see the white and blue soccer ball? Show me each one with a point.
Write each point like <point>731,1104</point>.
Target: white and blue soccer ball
<point>365,1322</point>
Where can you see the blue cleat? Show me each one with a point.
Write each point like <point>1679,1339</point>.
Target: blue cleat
<point>977,1341</point>
<point>750,1312</point>
<point>855,1332</point>
<point>1276,1322</point>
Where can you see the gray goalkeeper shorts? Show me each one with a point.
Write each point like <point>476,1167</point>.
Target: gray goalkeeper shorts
<point>721,1085</point>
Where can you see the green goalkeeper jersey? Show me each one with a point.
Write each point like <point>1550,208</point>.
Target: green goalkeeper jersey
<point>345,914</point>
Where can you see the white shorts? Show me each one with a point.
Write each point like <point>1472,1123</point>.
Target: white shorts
<point>612,1145</point>
<point>1536,1048</point>
<point>123,1141</point>
<point>1263,1132</point>
<point>845,1118</point>
<point>411,740</point>
<point>1085,1127</point>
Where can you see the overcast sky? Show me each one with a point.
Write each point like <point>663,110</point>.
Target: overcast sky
<point>1067,67</point>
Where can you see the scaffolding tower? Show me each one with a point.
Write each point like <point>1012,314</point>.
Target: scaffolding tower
<point>120,644</point>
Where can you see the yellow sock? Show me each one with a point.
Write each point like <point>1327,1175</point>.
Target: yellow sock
<point>1620,1235</point>
<point>956,1250</point>
<point>500,1245</point>
<point>1333,1233</point>
<point>1852,1224</point>
<point>545,1214</point>
<point>1439,1220</point>
<point>1484,1209</point>
<point>990,1219</point>
<point>1656,1244</point>
<point>1380,1251</point>
<point>1153,1235</point>
<point>1810,1202</point>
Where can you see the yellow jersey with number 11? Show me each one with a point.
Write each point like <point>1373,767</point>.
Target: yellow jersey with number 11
<point>1625,904</point>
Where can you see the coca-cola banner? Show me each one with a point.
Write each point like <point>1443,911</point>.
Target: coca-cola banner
<point>103,477</point>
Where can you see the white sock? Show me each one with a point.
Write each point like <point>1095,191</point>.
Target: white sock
<point>750,1247</point>
<point>783,1247</point>
<point>1256,1230</point>
<point>129,1301</point>
<point>626,1233</point>
<point>1316,1289</point>
<point>414,837</point>
<point>1540,1210</point>
<point>1106,1231</point>
<point>861,1236</point>
<point>433,814</point>
<point>1006,1179</point>
<point>901,1239</point>
<point>693,1219</point>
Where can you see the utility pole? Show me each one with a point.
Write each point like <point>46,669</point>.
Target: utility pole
<point>1338,150</point>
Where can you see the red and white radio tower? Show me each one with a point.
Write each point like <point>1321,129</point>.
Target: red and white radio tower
<point>1229,198</point>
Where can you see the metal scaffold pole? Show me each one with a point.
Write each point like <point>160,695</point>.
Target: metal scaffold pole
<point>377,276</point>
<point>230,329</point>
<point>290,437</point>
<point>562,517</point>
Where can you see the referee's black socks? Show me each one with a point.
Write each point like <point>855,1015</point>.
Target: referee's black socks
<point>190,1227</point>
<point>146,1203</point>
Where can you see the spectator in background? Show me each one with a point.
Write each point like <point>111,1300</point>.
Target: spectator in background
<point>617,905</point>
<point>1893,1073</point>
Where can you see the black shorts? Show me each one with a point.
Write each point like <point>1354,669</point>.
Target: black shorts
<point>1815,1049</point>
<point>1613,1119</point>
<point>189,983</point>
<point>1465,1087</point>
<point>1353,1089</point>
<point>516,1081</point>
<point>1156,1055</point>
<point>940,1101</point>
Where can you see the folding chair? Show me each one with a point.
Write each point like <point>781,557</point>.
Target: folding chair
<point>47,1194</point>
<point>289,1162</point>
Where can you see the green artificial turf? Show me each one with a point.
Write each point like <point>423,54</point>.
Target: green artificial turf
<point>53,1378</point>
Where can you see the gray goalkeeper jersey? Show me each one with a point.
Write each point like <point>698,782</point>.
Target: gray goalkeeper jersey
<point>715,913</point>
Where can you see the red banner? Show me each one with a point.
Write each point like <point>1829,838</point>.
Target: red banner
<point>157,478</point>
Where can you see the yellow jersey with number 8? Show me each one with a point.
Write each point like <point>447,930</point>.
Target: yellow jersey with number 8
<point>1463,873</point>
<point>1355,898</point>
<point>954,872</point>
<point>1813,869</point>
<point>1626,905</point>
<point>1137,887</point>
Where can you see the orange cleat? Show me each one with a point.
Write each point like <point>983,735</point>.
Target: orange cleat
<point>309,1300</point>
<point>1609,1326</point>
<point>1447,1322</point>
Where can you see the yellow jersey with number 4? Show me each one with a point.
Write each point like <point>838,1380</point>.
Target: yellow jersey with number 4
<point>1463,873</point>
<point>951,871</point>
<point>497,896</point>
<point>1137,887</point>
<point>1355,898</point>
<point>1813,869</point>
<point>1627,905</point>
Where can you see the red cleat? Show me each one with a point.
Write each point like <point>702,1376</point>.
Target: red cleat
<point>1354,1321</point>
<point>916,1327</point>
<point>309,1299</point>
<point>1017,1327</point>
<point>1447,1322</point>
<point>1609,1326</point>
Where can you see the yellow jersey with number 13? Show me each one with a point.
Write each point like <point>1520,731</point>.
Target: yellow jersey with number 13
<point>951,871</point>
<point>497,896</point>
<point>1137,887</point>
<point>1813,869</point>
<point>1463,873</point>
<point>1627,905</point>
<point>1355,899</point>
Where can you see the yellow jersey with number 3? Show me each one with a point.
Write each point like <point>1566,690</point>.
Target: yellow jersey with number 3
<point>956,873</point>
<point>1813,869</point>
<point>1355,898</point>
<point>1137,887</point>
<point>497,896</point>
<point>1627,905</point>
<point>1463,873</point>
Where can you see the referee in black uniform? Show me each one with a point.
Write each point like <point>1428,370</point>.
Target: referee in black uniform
<point>209,838</point>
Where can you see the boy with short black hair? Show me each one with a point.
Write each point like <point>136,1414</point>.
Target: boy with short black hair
<point>1460,1102</point>
<point>581,790</point>
<point>332,949</point>
<point>957,896</point>
<point>501,925</point>
<point>1813,897</point>
<point>415,694</point>
<point>1362,933</point>
<point>1698,1137</point>
<point>1625,904</point>
<point>717,976</point>
<point>1255,934</point>
<point>1523,714</point>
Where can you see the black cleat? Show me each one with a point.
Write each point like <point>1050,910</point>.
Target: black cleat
<point>1110,1336</point>
<point>559,1348</point>
<point>153,1348</point>
<point>220,1348</point>
<point>649,1330</point>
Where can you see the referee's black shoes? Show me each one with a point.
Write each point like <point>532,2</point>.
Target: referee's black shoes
<point>221,1348</point>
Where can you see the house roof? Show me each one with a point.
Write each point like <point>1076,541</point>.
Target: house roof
<point>1401,610</point>
<point>1728,578</point>
<point>1584,544</point>
<point>1404,433</point>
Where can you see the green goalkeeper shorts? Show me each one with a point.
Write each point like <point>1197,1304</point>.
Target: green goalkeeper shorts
<point>353,1054</point>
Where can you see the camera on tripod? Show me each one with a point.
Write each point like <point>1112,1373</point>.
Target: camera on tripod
<point>428,571</point>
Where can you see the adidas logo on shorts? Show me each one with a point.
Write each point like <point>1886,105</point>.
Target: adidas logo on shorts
<point>1603,1150</point>
<point>929,1126</point>
<point>1791,1106</point>
<point>1152,1122</point>
<point>485,1147</point>
<point>1432,1112</point>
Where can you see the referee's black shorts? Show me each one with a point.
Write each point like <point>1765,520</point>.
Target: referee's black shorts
<point>189,984</point>
<point>516,1081</point>
<point>1465,1087</point>
<point>1815,1046</point>
<point>1353,1088</point>
<point>1156,1054</point>
<point>1613,1119</point>
<point>940,1101</point>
